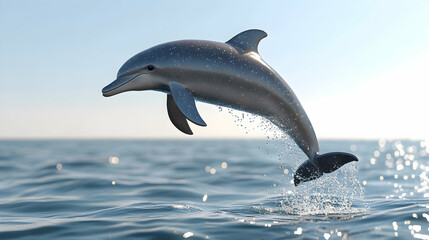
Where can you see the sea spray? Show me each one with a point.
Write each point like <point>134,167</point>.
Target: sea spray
<point>336,193</point>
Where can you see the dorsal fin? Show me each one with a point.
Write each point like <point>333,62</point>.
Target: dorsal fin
<point>247,41</point>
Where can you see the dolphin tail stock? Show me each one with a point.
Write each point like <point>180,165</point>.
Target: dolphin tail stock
<point>325,163</point>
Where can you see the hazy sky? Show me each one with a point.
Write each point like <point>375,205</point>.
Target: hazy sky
<point>359,68</point>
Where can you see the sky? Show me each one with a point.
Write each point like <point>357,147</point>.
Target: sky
<point>359,68</point>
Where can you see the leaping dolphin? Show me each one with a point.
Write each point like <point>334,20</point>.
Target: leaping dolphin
<point>230,74</point>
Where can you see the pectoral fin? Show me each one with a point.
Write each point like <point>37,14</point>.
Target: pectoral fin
<point>185,103</point>
<point>176,116</point>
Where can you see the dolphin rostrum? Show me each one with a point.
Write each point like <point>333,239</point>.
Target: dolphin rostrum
<point>230,74</point>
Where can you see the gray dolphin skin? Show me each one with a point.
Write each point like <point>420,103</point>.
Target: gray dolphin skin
<point>230,74</point>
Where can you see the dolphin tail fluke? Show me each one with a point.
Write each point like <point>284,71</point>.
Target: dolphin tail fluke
<point>325,163</point>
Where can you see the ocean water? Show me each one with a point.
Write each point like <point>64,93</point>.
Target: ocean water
<point>201,189</point>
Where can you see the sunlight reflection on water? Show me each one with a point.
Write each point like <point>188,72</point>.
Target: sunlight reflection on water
<point>166,188</point>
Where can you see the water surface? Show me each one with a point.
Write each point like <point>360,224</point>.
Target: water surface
<point>221,189</point>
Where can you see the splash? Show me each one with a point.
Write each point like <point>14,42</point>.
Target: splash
<point>337,193</point>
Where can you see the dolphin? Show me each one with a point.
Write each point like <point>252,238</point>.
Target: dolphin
<point>230,74</point>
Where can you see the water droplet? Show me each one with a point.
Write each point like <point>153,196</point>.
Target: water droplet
<point>399,167</point>
<point>59,166</point>
<point>298,231</point>
<point>113,160</point>
<point>382,142</point>
<point>415,165</point>
<point>377,154</point>
<point>417,228</point>
<point>188,234</point>
<point>395,226</point>
<point>326,236</point>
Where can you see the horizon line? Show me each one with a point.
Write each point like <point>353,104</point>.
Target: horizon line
<point>191,139</point>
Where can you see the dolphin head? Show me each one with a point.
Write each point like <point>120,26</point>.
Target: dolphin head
<point>141,72</point>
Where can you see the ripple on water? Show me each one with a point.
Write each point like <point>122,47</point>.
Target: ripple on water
<point>169,194</point>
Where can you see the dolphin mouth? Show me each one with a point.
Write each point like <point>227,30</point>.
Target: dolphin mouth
<point>109,90</point>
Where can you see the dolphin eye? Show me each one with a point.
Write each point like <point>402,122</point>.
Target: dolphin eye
<point>151,67</point>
